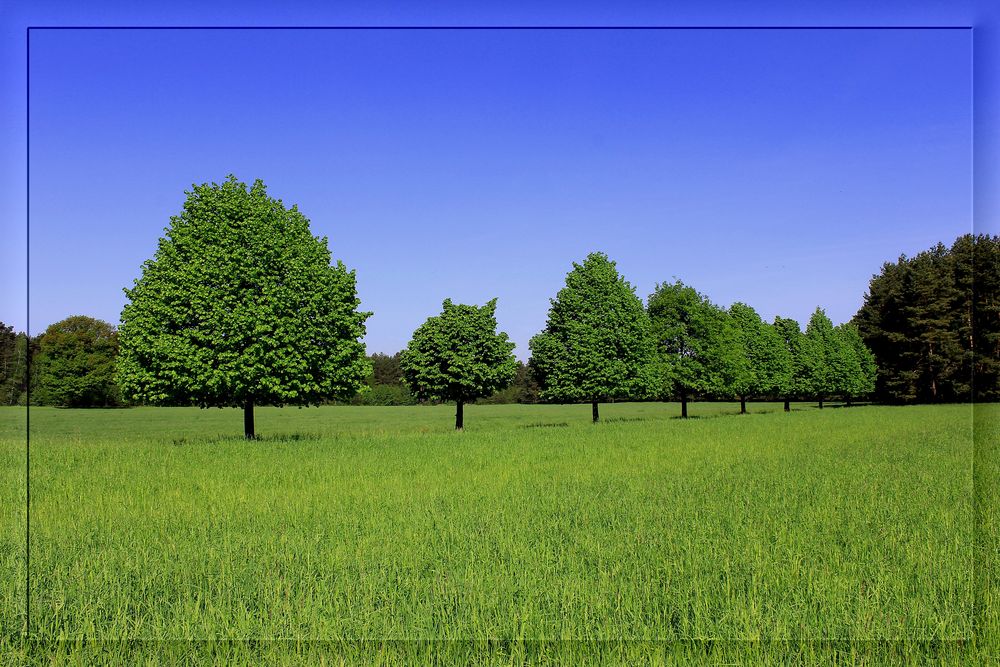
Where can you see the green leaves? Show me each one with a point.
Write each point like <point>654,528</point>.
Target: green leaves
<point>768,363</point>
<point>240,303</point>
<point>597,343</point>
<point>696,342</point>
<point>458,355</point>
<point>77,363</point>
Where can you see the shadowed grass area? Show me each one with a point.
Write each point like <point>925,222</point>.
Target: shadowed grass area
<point>534,534</point>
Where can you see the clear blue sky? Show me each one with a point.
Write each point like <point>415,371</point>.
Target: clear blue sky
<point>778,168</point>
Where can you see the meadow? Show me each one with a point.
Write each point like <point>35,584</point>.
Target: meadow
<point>843,535</point>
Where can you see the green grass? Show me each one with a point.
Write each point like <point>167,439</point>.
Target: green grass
<point>841,535</point>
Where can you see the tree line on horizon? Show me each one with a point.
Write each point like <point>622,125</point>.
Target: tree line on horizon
<point>241,305</point>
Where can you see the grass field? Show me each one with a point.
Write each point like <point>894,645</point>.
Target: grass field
<point>842,535</point>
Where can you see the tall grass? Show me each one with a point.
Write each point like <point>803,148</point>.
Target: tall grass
<point>533,535</point>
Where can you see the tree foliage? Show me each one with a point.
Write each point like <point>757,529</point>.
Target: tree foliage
<point>697,345</point>
<point>933,323</point>
<point>459,356</point>
<point>768,363</point>
<point>76,364</point>
<point>14,352</point>
<point>596,344</point>
<point>241,306</point>
<point>796,382</point>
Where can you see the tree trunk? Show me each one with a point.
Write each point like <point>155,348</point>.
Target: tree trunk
<point>788,405</point>
<point>459,416</point>
<point>743,405</point>
<point>593,407</point>
<point>848,402</point>
<point>684,406</point>
<point>248,431</point>
<point>821,404</point>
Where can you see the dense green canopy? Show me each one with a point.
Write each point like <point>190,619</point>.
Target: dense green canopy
<point>459,356</point>
<point>76,363</point>
<point>697,346</point>
<point>597,344</point>
<point>768,364</point>
<point>933,323</point>
<point>241,306</point>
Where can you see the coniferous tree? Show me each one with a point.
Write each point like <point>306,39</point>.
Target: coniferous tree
<point>933,323</point>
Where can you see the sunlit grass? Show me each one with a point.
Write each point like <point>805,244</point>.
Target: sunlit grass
<point>382,524</point>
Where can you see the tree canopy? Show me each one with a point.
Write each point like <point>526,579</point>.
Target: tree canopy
<point>933,323</point>
<point>240,306</point>
<point>459,356</point>
<point>597,343</point>
<point>768,363</point>
<point>76,363</point>
<point>14,350</point>
<point>696,343</point>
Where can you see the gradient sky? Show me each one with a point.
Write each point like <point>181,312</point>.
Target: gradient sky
<point>775,167</point>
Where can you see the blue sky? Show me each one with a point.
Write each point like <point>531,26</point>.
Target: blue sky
<point>775,167</point>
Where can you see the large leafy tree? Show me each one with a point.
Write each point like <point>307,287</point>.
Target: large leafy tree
<point>597,343</point>
<point>697,347</point>
<point>459,356</point>
<point>76,364</point>
<point>240,306</point>
<point>767,360</point>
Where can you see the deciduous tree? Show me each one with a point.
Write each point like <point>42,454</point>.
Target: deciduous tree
<point>240,306</point>
<point>459,356</point>
<point>820,355</point>
<point>597,344</point>
<point>76,364</point>
<point>767,360</point>
<point>696,344</point>
<point>795,381</point>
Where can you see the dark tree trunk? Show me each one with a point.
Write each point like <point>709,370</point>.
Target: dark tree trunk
<point>821,404</point>
<point>597,415</point>
<point>459,416</point>
<point>788,405</point>
<point>848,402</point>
<point>684,406</point>
<point>743,405</point>
<point>248,431</point>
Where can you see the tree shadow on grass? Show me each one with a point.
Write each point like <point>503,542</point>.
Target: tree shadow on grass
<point>218,439</point>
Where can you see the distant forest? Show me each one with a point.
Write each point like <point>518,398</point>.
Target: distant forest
<point>932,322</point>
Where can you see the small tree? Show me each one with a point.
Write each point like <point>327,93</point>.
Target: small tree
<point>793,381</point>
<point>597,343</point>
<point>696,343</point>
<point>859,362</point>
<point>820,353</point>
<point>76,364</point>
<point>240,306</point>
<point>768,360</point>
<point>459,356</point>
